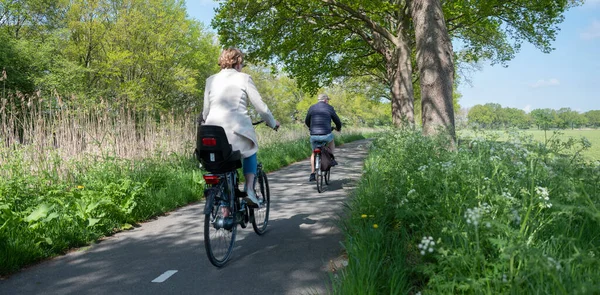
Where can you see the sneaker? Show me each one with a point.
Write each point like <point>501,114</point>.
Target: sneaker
<point>251,199</point>
<point>313,177</point>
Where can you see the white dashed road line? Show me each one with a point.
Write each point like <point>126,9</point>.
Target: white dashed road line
<point>165,276</point>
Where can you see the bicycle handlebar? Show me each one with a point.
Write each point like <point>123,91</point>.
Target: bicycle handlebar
<point>262,121</point>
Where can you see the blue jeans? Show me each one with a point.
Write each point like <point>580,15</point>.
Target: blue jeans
<point>249,164</point>
<point>314,139</point>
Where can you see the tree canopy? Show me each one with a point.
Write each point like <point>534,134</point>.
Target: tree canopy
<point>146,53</point>
<point>320,41</point>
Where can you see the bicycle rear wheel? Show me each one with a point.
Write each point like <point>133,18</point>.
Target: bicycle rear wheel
<point>260,216</point>
<point>219,227</point>
<point>327,176</point>
<point>319,173</point>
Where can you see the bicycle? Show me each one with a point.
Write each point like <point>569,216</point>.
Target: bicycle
<point>225,207</point>
<point>321,175</point>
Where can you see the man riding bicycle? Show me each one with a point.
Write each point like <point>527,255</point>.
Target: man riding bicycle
<point>318,119</point>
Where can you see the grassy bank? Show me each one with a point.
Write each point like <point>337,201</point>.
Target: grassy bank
<point>511,217</point>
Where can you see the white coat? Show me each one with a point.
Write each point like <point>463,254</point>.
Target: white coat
<point>226,99</point>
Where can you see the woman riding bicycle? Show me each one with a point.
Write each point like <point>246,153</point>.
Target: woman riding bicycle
<point>226,98</point>
<point>318,119</point>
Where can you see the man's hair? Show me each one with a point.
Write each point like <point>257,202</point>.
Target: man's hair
<point>323,97</point>
<point>230,57</point>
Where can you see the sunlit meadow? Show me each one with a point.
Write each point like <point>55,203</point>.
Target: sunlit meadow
<point>511,217</point>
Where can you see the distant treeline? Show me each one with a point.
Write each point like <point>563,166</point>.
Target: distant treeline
<point>493,115</point>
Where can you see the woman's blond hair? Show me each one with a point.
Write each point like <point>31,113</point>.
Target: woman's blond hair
<point>230,57</point>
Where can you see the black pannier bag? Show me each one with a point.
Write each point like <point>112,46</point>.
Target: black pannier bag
<point>326,158</point>
<point>214,151</point>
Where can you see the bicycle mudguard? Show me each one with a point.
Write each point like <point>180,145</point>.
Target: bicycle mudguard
<point>209,194</point>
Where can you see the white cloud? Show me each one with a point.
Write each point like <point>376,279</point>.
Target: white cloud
<point>593,31</point>
<point>527,108</point>
<point>545,83</point>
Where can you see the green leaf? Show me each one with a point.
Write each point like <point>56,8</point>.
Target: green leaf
<point>50,217</point>
<point>40,212</point>
<point>93,221</point>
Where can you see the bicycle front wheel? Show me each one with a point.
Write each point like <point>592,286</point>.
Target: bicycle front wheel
<point>219,227</point>
<point>260,216</point>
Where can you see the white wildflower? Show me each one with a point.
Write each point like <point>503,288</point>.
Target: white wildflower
<point>516,217</point>
<point>447,165</point>
<point>422,168</point>
<point>410,192</point>
<point>473,215</point>
<point>426,245</point>
<point>543,195</point>
<point>554,263</point>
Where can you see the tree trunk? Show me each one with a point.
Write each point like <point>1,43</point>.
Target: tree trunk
<point>436,68</point>
<point>399,72</point>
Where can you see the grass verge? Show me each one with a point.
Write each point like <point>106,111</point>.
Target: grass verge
<point>513,217</point>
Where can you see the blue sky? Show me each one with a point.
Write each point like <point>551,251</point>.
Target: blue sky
<point>569,76</point>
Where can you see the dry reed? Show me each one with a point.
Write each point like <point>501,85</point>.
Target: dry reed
<point>51,136</point>
<point>42,131</point>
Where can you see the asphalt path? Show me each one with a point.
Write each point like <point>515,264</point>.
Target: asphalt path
<point>167,256</point>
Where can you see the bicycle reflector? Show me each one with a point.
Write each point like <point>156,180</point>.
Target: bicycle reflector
<point>209,141</point>
<point>211,179</point>
<point>317,150</point>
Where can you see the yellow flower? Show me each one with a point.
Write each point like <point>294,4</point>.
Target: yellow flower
<point>80,186</point>
<point>364,216</point>
<point>375,225</point>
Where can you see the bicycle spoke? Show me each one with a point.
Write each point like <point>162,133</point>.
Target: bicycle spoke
<point>219,233</point>
<point>260,216</point>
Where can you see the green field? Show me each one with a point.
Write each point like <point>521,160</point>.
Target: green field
<point>592,135</point>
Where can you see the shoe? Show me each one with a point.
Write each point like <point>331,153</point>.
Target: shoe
<point>313,177</point>
<point>251,199</point>
<point>334,163</point>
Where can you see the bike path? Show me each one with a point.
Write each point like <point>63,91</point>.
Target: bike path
<point>293,257</point>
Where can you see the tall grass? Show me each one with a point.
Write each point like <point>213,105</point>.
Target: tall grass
<point>514,217</point>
